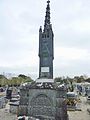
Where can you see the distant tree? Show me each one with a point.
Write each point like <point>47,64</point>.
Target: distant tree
<point>16,81</point>
<point>2,76</point>
<point>25,78</point>
<point>58,79</point>
<point>88,80</point>
<point>22,76</point>
<point>79,79</point>
<point>3,80</point>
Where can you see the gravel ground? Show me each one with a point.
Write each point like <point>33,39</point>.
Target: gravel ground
<point>73,115</point>
<point>6,115</point>
<point>80,115</point>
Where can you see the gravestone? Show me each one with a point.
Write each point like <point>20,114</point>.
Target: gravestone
<point>44,99</point>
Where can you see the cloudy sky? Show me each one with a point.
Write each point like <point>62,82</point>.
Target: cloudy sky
<point>19,38</point>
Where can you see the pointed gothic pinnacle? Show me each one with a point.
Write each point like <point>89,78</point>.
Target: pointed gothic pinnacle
<point>47,17</point>
<point>48,1</point>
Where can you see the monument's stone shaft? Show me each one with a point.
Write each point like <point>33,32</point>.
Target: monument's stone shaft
<point>44,99</point>
<point>46,53</point>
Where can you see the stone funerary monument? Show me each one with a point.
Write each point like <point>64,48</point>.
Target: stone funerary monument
<point>46,53</point>
<point>44,99</point>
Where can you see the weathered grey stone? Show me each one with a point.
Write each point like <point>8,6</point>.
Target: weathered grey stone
<point>43,103</point>
<point>46,48</point>
<point>44,99</point>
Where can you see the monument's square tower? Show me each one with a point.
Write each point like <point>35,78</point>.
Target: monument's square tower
<point>43,98</point>
<point>46,52</point>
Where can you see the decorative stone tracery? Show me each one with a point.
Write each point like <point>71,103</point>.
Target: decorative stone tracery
<point>41,100</point>
<point>41,105</point>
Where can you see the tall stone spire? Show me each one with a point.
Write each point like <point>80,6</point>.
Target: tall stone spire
<point>46,47</point>
<point>47,17</point>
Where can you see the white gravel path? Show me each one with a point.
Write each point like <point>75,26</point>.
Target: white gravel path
<point>80,115</point>
<point>6,115</point>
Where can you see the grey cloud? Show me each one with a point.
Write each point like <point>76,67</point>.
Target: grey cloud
<point>71,13</point>
<point>72,68</point>
<point>16,70</point>
<point>70,39</point>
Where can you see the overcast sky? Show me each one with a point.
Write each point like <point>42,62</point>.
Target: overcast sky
<point>19,36</point>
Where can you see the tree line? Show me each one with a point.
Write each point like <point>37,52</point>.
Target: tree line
<point>14,81</point>
<point>77,79</point>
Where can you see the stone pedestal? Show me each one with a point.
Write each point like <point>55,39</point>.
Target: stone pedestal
<point>43,100</point>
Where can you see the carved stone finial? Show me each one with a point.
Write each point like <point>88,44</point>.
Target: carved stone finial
<point>48,1</point>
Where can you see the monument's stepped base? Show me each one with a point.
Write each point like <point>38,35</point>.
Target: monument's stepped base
<point>45,101</point>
